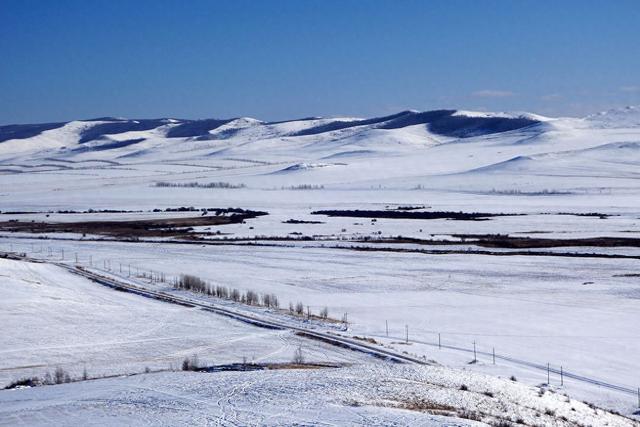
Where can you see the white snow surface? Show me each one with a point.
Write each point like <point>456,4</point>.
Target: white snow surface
<point>365,395</point>
<point>577,312</point>
<point>57,319</point>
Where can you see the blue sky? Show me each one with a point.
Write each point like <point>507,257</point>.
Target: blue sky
<point>280,59</point>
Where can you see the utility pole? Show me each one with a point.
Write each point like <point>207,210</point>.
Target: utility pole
<point>493,354</point>
<point>308,313</point>
<point>561,376</point>
<point>439,342</point>
<point>475,359</point>
<point>406,331</point>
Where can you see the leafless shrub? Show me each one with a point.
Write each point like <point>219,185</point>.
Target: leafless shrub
<point>469,415</point>
<point>191,363</point>
<point>436,408</point>
<point>25,382</point>
<point>252,298</point>
<point>191,283</point>
<point>224,185</point>
<point>298,357</point>
<point>61,376</point>
<point>222,292</point>
<point>270,300</point>
<point>304,187</point>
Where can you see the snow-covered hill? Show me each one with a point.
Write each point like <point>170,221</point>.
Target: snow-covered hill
<point>617,118</point>
<point>433,149</point>
<point>121,136</point>
<point>564,178</point>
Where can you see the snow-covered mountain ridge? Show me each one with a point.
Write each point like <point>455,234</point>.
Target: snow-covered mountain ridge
<point>436,149</point>
<point>442,122</point>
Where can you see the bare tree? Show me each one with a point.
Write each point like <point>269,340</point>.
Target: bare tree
<point>191,363</point>
<point>59,375</point>
<point>298,357</point>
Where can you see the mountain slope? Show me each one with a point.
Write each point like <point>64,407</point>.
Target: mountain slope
<point>441,148</point>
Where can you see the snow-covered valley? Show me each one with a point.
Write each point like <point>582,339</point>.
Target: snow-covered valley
<point>509,232</point>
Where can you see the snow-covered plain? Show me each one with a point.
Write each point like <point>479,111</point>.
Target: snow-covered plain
<point>53,318</point>
<point>366,395</point>
<point>579,313</point>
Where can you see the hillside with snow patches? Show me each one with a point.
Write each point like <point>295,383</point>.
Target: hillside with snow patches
<point>438,233</point>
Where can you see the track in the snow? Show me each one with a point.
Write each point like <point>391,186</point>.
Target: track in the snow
<point>248,318</point>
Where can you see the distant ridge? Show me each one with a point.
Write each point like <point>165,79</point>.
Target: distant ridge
<point>441,122</point>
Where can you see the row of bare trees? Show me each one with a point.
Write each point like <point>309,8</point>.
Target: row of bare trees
<point>226,185</point>
<point>59,376</point>
<point>193,283</point>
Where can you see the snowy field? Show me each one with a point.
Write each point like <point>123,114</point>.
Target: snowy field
<point>53,318</point>
<point>577,306</point>
<point>359,396</point>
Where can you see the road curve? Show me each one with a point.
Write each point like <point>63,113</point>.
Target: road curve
<point>329,338</point>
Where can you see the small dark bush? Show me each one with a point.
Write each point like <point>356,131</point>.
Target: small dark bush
<point>25,382</point>
<point>190,363</point>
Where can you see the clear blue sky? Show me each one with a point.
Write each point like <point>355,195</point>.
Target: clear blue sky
<point>280,59</point>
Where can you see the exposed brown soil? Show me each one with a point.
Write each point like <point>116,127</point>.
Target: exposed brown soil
<point>410,214</point>
<point>485,252</point>
<point>369,340</point>
<point>162,227</point>
<point>512,242</point>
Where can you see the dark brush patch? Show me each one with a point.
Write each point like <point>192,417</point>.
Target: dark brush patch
<point>402,214</point>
